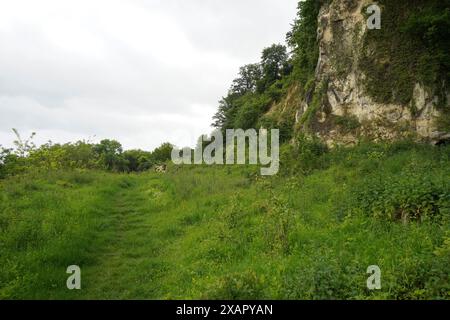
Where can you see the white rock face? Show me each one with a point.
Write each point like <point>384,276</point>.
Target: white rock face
<point>341,30</point>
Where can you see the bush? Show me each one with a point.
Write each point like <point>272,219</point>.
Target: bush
<point>162,153</point>
<point>310,150</point>
<point>285,125</point>
<point>306,155</point>
<point>404,197</point>
<point>279,223</point>
<point>138,160</point>
<point>107,155</point>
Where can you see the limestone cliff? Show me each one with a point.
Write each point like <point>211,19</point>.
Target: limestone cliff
<point>359,89</point>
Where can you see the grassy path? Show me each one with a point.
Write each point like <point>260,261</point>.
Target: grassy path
<point>126,265</point>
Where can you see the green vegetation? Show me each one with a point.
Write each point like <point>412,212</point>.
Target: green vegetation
<point>303,40</point>
<point>262,85</point>
<point>347,123</point>
<point>411,47</point>
<point>309,116</point>
<point>106,155</point>
<point>224,232</point>
<point>252,93</point>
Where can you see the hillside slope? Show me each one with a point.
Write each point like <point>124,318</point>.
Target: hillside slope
<point>344,82</point>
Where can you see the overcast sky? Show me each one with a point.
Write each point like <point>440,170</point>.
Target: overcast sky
<point>141,72</point>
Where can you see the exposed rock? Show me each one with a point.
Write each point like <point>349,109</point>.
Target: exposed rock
<point>341,30</point>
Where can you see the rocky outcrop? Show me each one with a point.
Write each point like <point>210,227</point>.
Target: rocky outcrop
<point>347,111</point>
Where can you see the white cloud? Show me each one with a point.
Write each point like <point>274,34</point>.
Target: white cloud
<point>142,72</point>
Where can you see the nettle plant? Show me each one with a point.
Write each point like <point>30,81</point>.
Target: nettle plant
<point>407,197</point>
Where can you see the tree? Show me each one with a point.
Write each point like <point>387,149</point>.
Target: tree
<point>137,160</point>
<point>274,64</point>
<point>224,117</point>
<point>245,84</point>
<point>251,107</point>
<point>10,162</point>
<point>249,75</point>
<point>162,154</point>
<point>109,153</point>
<point>302,40</point>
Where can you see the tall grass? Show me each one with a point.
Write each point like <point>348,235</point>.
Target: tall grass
<point>225,232</point>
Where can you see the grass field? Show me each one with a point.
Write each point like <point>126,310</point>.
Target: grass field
<point>225,232</point>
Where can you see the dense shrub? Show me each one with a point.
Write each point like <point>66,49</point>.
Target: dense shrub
<point>410,196</point>
<point>162,153</point>
<point>410,187</point>
<point>105,155</point>
<point>137,160</point>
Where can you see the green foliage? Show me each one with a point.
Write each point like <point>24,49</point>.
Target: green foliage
<point>409,196</point>
<point>138,160</point>
<point>318,95</point>
<point>309,151</point>
<point>225,115</point>
<point>274,65</point>
<point>260,86</point>
<point>162,153</point>
<point>9,163</point>
<point>47,222</point>
<point>248,79</point>
<point>303,40</point>
<point>251,94</point>
<point>110,154</point>
<point>304,156</point>
<point>416,190</point>
<point>106,155</point>
<point>250,108</point>
<point>245,285</point>
<point>432,27</point>
<point>285,125</point>
<point>220,232</point>
<point>278,220</point>
<point>443,121</point>
<point>410,48</point>
<point>80,154</point>
<point>223,232</point>
<point>347,123</point>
